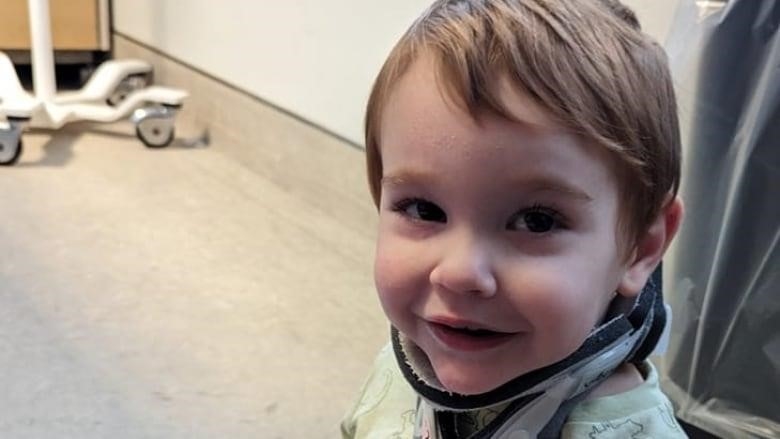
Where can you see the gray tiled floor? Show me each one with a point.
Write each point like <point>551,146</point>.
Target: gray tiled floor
<point>181,293</point>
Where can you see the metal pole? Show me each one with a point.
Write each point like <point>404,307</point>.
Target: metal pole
<point>44,81</point>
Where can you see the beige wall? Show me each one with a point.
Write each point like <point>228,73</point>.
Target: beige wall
<point>314,58</point>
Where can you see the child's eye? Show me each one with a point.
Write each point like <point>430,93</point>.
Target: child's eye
<point>420,209</point>
<point>537,219</point>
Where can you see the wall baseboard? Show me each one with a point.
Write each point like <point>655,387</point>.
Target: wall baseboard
<point>326,171</point>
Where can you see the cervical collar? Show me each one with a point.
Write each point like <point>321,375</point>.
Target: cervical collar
<point>540,401</point>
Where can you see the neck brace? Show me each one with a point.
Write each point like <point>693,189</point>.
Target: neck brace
<point>539,401</point>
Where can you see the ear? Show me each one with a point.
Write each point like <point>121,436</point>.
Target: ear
<point>650,248</point>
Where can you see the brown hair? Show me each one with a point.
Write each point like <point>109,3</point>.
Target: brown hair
<point>586,62</point>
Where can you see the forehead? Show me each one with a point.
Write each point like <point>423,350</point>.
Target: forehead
<point>423,123</point>
<point>425,83</point>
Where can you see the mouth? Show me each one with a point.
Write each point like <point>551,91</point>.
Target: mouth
<point>462,336</point>
<point>473,332</point>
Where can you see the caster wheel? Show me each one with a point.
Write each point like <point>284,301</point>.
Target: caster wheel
<point>155,132</point>
<point>10,152</point>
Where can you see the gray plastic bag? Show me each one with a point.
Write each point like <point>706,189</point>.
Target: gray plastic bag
<point>722,276</point>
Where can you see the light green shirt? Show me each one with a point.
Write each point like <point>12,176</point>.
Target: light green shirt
<point>386,409</point>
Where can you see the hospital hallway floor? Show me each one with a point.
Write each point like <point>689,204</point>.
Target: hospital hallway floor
<point>196,291</point>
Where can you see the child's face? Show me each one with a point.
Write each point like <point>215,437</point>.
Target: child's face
<point>498,226</point>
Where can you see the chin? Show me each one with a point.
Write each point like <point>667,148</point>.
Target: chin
<point>467,381</point>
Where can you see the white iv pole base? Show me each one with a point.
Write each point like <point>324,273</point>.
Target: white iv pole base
<point>117,89</point>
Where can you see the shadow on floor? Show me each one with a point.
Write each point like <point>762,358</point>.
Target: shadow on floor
<point>57,151</point>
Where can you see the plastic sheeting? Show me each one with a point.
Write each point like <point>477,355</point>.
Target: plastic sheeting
<point>722,277</point>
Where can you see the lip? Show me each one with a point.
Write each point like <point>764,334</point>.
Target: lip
<point>451,338</point>
<point>455,322</point>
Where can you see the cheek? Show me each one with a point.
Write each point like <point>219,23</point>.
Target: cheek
<point>386,273</point>
<point>563,305</point>
<point>554,300</point>
<point>394,275</point>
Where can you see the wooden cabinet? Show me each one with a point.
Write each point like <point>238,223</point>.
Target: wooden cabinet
<point>77,25</point>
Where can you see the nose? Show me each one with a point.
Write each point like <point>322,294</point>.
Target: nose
<point>465,266</point>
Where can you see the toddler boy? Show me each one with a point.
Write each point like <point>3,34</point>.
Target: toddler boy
<point>524,159</point>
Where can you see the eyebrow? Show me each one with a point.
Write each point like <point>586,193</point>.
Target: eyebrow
<point>531,184</point>
<point>548,184</point>
<point>405,177</point>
